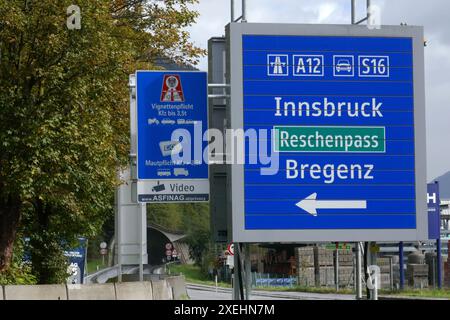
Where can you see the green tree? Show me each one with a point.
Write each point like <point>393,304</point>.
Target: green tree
<point>64,113</point>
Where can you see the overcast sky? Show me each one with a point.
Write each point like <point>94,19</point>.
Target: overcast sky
<point>432,14</point>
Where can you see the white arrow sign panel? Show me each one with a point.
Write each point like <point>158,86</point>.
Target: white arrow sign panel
<point>310,204</point>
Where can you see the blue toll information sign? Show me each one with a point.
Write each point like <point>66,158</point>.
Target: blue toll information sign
<point>76,258</point>
<point>342,109</point>
<point>171,120</point>
<point>434,211</point>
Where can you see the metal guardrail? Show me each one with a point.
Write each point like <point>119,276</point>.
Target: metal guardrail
<point>102,276</point>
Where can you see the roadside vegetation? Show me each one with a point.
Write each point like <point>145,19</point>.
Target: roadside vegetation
<point>92,265</point>
<point>424,293</point>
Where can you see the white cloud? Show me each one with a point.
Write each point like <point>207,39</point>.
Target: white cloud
<point>215,14</point>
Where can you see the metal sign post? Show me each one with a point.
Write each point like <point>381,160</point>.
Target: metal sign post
<point>243,17</point>
<point>131,227</point>
<point>118,231</point>
<point>248,272</point>
<point>129,214</point>
<point>232,10</point>
<point>439,263</point>
<point>338,112</point>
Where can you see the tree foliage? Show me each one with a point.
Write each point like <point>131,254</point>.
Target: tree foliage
<point>19,272</point>
<point>64,112</point>
<point>191,219</point>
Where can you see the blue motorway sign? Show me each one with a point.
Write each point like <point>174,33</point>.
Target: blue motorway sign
<point>171,120</point>
<point>77,259</point>
<point>341,112</point>
<point>434,211</point>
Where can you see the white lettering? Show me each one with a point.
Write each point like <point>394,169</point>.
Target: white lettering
<point>327,108</point>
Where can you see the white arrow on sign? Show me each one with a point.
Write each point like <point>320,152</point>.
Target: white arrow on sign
<point>311,204</point>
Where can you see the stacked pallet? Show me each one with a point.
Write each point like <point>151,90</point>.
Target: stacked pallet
<point>417,275</point>
<point>345,268</point>
<point>385,271</point>
<point>447,273</point>
<point>315,267</point>
<point>447,269</point>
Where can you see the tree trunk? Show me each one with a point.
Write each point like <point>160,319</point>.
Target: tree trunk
<point>9,222</point>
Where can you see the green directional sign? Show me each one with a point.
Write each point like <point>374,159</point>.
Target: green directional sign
<point>329,139</point>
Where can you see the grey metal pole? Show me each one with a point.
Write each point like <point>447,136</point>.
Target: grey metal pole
<point>376,283</point>
<point>233,292</point>
<point>236,282</point>
<point>248,272</point>
<point>433,271</point>
<point>375,289</point>
<point>244,10</point>
<point>358,279</point>
<point>85,260</point>
<point>353,11</point>
<point>241,274</point>
<point>391,273</point>
<point>119,232</point>
<point>373,261</point>
<point>232,11</point>
<point>439,263</point>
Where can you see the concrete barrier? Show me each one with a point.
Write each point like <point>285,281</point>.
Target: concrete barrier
<point>134,291</point>
<point>36,292</point>
<point>104,291</point>
<point>161,290</point>
<point>178,285</point>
